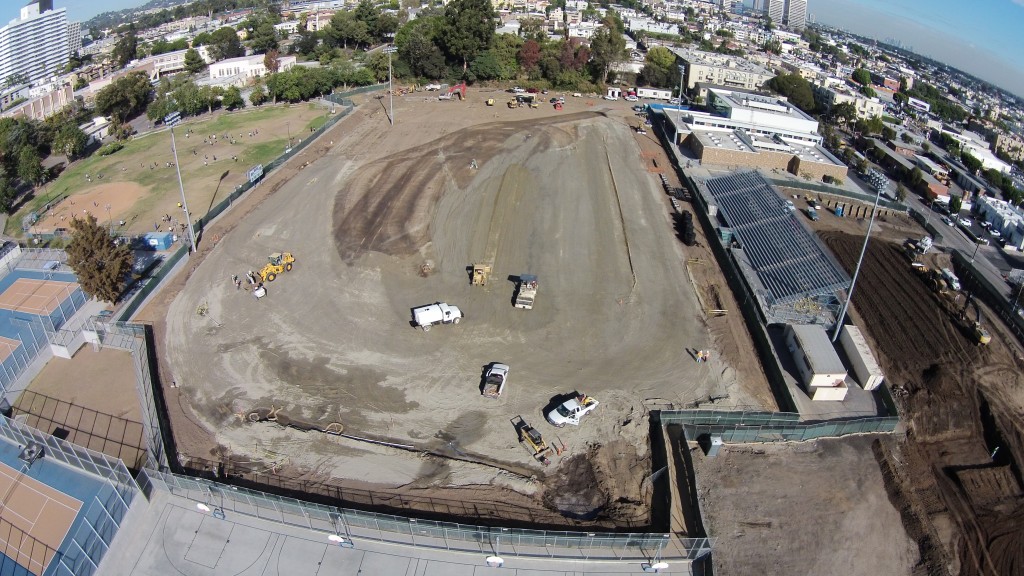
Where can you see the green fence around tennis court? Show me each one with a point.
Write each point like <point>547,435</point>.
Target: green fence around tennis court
<point>740,426</point>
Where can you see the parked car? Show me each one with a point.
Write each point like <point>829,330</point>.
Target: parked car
<point>995,233</point>
<point>577,95</point>
<point>966,222</point>
<point>948,221</point>
<point>610,97</point>
<point>631,99</point>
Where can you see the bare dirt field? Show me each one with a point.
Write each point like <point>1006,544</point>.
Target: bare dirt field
<point>801,508</point>
<point>956,477</point>
<point>106,202</point>
<point>389,219</point>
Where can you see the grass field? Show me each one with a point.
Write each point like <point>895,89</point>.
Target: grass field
<point>208,172</point>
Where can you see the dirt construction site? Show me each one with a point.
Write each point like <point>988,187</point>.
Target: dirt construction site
<point>389,219</point>
<point>384,219</point>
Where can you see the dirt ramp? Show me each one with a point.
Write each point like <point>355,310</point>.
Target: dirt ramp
<point>389,203</point>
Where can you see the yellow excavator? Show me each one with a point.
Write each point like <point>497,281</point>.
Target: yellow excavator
<point>981,335</point>
<point>277,264</point>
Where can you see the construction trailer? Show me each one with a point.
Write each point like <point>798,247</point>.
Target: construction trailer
<point>863,363</point>
<point>821,371</point>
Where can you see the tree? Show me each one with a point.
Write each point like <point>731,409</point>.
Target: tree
<point>194,63</point>
<point>125,50</point>
<point>101,264</point>
<point>270,61</point>
<point>30,167</point>
<point>224,43</point>
<point>532,29</point>
<point>467,28</point>
<point>901,192</point>
<point>888,133</point>
<point>660,69</point>
<point>125,97</point>
<point>264,38</point>
<point>843,113</point>
<point>868,91</point>
<point>306,43</point>
<point>70,141</point>
<point>916,177</point>
<point>606,48</point>
<point>861,76</point>
<point>955,203</point>
<point>258,95</point>
<point>529,56</point>
<point>7,195</point>
<point>345,28</point>
<point>416,47</point>
<point>233,98</point>
<point>796,88</point>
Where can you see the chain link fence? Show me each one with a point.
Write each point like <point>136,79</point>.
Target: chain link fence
<point>356,524</point>
<point>148,285</point>
<point>80,553</point>
<point>741,426</point>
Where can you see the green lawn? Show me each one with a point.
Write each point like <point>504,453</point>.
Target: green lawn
<point>204,183</point>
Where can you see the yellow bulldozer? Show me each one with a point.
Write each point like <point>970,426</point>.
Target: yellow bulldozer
<point>277,264</point>
<point>481,272</point>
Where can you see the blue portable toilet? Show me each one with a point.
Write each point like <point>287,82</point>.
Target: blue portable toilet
<point>839,210</point>
<point>158,240</point>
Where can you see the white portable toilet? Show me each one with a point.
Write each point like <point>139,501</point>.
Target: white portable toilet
<point>614,93</point>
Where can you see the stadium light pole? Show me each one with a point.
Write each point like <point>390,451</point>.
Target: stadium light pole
<point>389,50</point>
<point>172,120</point>
<point>856,271</point>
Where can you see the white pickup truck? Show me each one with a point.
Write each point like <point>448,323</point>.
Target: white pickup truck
<point>437,313</point>
<point>570,411</point>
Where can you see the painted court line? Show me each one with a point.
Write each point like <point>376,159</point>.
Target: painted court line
<point>7,347</point>
<point>39,513</point>
<point>36,296</point>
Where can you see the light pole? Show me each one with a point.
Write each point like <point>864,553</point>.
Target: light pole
<point>172,120</point>
<point>853,282</point>
<point>389,50</point>
<point>110,223</point>
<point>288,126</point>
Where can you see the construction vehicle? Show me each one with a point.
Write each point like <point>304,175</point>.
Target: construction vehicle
<point>558,105</point>
<point>494,379</point>
<point>278,263</point>
<point>437,313</point>
<point>532,439</point>
<point>570,411</point>
<point>481,272</point>
<point>490,101</point>
<point>981,335</point>
<point>458,89</point>
<point>526,291</point>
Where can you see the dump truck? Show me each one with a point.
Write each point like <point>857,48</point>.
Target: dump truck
<point>570,411</point>
<point>526,291</point>
<point>436,313</point>
<point>494,379</point>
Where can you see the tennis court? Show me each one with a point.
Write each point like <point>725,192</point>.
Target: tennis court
<point>33,305</point>
<point>34,519</point>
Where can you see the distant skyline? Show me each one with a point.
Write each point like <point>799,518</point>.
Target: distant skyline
<point>981,38</point>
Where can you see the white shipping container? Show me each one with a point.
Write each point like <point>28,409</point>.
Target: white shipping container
<point>654,93</point>
<point>862,361</point>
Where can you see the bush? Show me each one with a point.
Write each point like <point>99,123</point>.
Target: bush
<point>109,149</point>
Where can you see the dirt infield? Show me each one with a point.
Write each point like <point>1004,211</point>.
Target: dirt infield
<point>566,196</point>
<point>109,203</point>
<point>962,402</point>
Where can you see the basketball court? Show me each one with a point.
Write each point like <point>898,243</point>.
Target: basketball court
<point>34,519</point>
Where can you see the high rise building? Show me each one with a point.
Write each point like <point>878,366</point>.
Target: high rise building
<point>74,37</point>
<point>34,46</point>
<point>790,13</point>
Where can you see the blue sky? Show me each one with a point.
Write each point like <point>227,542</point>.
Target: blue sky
<point>983,37</point>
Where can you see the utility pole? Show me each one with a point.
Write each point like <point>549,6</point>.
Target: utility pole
<point>853,282</point>
<point>389,50</point>
<point>172,120</point>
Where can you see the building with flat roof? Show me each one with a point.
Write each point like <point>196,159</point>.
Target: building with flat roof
<point>791,13</point>
<point>756,131</point>
<point>828,96</point>
<point>721,69</point>
<point>34,46</point>
<point>240,71</point>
